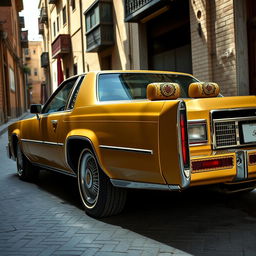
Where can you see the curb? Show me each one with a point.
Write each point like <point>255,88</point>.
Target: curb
<point>4,127</point>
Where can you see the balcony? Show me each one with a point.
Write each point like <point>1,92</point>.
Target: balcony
<point>99,26</point>
<point>22,22</point>
<point>61,46</point>
<point>100,38</point>
<point>135,10</point>
<point>6,3</point>
<point>43,18</point>
<point>40,27</point>
<point>52,1</point>
<point>24,39</point>
<point>44,59</point>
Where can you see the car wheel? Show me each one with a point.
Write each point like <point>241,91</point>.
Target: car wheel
<point>25,170</point>
<point>100,198</point>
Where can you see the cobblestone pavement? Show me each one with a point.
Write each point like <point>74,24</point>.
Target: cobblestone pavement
<point>47,219</point>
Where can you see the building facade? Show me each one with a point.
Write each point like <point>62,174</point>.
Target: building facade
<point>212,39</point>
<point>35,75</point>
<point>12,40</point>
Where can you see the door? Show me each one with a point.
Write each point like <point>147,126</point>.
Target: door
<point>51,125</point>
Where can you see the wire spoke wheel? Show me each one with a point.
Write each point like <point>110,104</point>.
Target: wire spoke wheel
<point>100,198</point>
<point>89,179</point>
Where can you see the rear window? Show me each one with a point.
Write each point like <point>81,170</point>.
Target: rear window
<point>131,86</point>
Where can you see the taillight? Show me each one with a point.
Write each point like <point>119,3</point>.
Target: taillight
<point>184,137</point>
<point>212,164</point>
<point>252,159</point>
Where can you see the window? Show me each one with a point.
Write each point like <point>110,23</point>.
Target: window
<point>129,86</point>
<point>75,69</point>
<point>58,24</point>
<point>73,4</point>
<point>54,29</point>
<point>12,79</point>
<point>92,18</point>
<point>75,93</point>
<point>35,72</point>
<point>64,15</point>
<point>60,98</point>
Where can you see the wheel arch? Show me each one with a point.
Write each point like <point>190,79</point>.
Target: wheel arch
<point>76,143</point>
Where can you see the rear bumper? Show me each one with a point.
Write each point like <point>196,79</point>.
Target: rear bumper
<point>236,166</point>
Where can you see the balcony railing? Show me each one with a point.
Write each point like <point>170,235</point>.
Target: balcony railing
<point>61,45</point>
<point>52,1</point>
<point>6,3</point>
<point>24,39</point>
<point>40,27</point>
<point>22,22</point>
<point>43,15</point>
<point>136,10</point>
<point>44,59</point>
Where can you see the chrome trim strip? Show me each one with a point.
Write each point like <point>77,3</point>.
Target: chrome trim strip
<point>136,150</point>
<point>43,142</point>
<point>223,120</point>
<point>143,185</point>
<point>55,170</point>
<point>185,181</point>
<point>198,121</point>
<point>198,144</point>
<point>32,141</point>
<point>138,185</point>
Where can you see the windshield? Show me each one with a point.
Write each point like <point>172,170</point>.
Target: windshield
<point>130,86</point>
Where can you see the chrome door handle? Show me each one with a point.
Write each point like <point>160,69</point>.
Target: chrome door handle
<point>54,123</point>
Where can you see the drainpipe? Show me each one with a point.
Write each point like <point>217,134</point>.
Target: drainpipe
<point>82,36</point>
<point>4,82</point>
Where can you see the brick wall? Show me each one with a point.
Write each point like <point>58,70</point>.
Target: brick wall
<point>213,52</point>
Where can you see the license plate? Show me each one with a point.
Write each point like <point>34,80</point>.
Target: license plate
<point>249,132</point>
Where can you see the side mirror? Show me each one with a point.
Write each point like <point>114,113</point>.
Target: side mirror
<point>35,108</point>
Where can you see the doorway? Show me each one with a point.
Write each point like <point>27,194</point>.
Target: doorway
<point>251,31</point>
<point>169,39</point>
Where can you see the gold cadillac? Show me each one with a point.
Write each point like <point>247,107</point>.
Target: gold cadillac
<point>122,130</point>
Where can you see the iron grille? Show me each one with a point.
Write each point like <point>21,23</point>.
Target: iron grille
<point>225,134</point>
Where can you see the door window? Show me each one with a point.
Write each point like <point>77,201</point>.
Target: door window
<point>60,98</point>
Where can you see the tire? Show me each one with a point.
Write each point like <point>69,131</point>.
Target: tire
<point>100,198</point>
<point>25,170</point>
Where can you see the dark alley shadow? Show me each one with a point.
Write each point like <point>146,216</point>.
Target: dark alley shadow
<point>196,221</point>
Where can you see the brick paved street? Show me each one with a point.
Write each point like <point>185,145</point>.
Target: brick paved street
<point>47,219</point>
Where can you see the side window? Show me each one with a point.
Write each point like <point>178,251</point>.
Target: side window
<point>75,93</point>
<point>60,98</point>
<point>111,88</point>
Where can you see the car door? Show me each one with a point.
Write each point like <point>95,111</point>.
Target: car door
<point>51,125</point>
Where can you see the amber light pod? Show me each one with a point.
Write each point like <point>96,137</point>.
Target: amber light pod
<point>163,91</point>
<point>203,90</point>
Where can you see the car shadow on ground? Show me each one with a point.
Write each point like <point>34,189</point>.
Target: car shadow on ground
<point>195,221</point>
